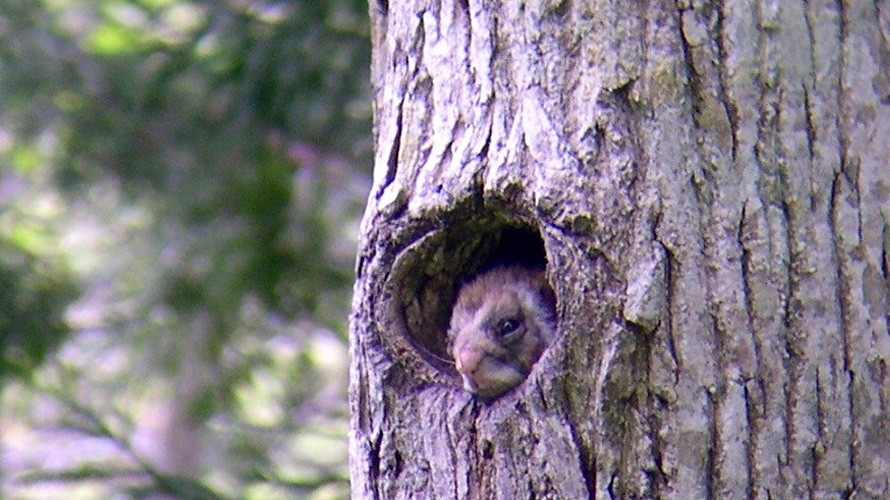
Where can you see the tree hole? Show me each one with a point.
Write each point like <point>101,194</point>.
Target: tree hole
<point>439,266</point>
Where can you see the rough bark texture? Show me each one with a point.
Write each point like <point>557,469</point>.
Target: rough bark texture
<point>710,185</point>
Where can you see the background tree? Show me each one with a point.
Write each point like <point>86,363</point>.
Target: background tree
<point>196,171</point>
<point>708,182</point>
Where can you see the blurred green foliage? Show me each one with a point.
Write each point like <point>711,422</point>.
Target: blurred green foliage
<point>180,188</point>
<point>34,291</point>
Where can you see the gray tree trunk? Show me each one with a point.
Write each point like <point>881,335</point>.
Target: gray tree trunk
<point>710,185</point>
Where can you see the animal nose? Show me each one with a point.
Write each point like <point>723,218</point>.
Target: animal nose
<point>468,359</point>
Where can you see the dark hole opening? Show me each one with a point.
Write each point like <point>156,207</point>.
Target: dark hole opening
<point>469,251</point>
<point>516,245</point>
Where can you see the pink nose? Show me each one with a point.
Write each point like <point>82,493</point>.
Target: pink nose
<point>468,359</point>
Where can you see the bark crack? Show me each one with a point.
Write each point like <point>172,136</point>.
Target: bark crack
<point>811,125</point>
<point>374,464</point>
<point>687,61</point>
<point>751,414</point>
<point>885,263</point>
<point>729,106</point>
<point>745,263</point>
<point>392,163</point>
<point>850,170</point>
<point>611,488</point>
<point>588,463</point>
<point>818,448</point>
<point>885,55</point>
<point>671,261</point>
<point>658,476</point>
<point>842,290</point>
<point>714,450</point>
<point>753,417</point>
<point>791,361</point>
<point>790,391</point>
<point>717,399</point>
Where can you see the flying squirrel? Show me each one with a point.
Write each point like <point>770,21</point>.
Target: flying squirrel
<point>501,323</point>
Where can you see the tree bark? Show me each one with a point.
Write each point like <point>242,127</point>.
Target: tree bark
<point>709,184</point>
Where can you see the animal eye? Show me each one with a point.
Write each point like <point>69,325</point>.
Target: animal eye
<point>507,326</point>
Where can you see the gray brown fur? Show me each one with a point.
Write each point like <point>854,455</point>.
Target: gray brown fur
<point>501,324</point>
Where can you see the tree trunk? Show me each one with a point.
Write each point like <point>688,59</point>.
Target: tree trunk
<point>710,187</point>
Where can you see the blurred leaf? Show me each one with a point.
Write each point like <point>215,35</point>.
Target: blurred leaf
<point>112,39</point>
<point>26,158</point>
<point>34,294</point>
